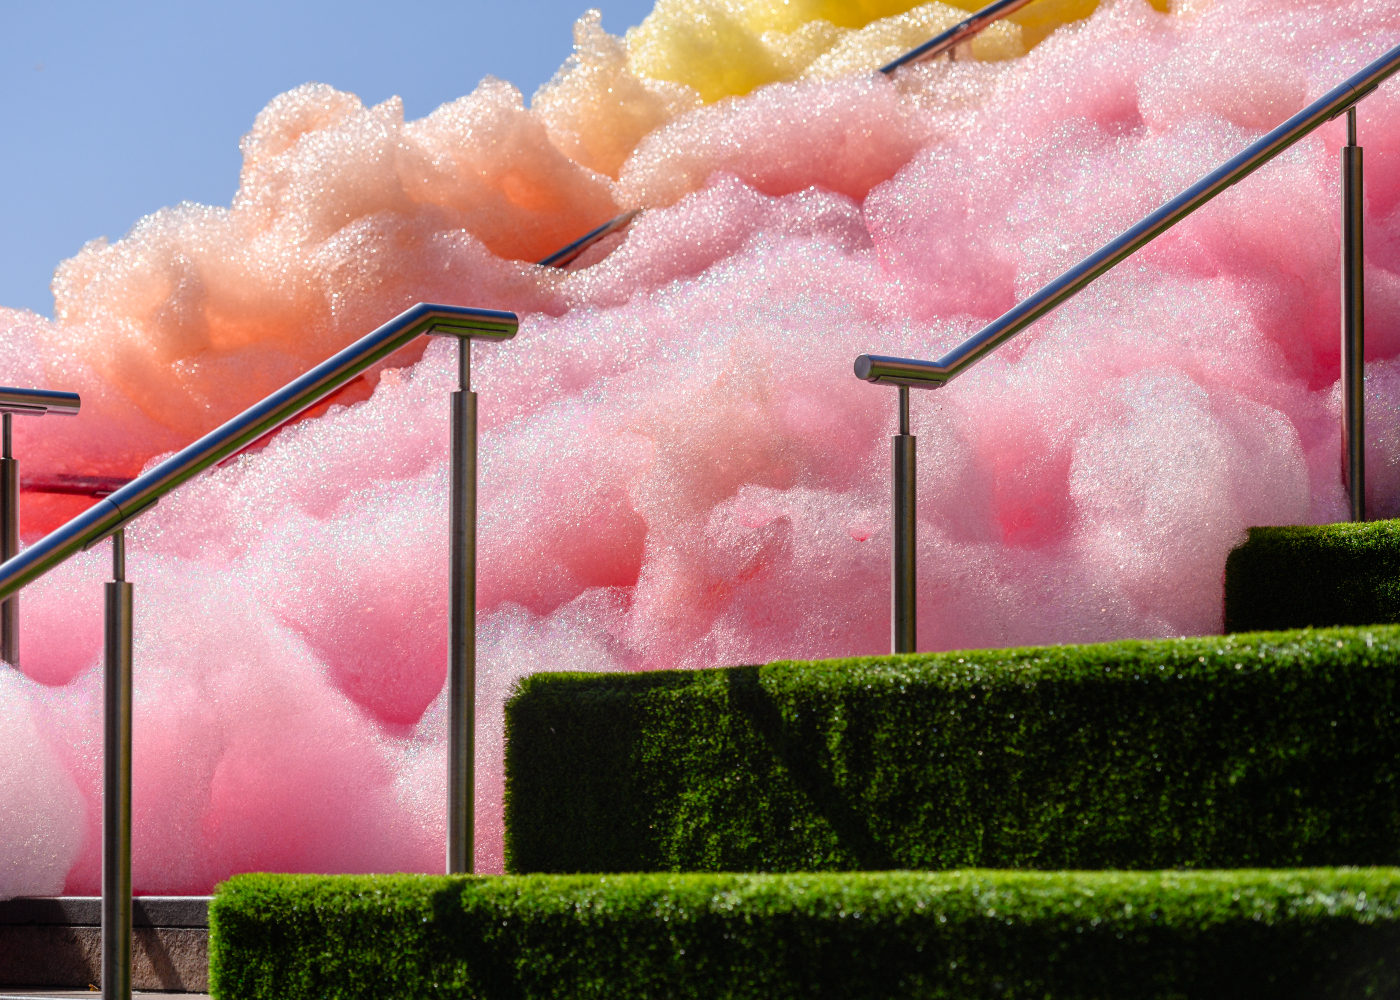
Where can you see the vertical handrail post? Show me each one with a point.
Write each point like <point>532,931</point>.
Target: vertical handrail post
<point>9,540</point>
<point>1353,327</point>
<point>116,782</point>
<point>904,577</point>
<point>461,675</point>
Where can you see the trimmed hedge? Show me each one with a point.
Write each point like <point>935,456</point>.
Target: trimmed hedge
<point>1236,935</point>
<point>1318,575</point>
<point>1265,750</point>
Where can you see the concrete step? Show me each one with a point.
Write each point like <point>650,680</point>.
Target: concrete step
<point>54,943</point>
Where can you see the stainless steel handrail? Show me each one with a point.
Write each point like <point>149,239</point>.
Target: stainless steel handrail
<point>909,373</point>
<point>963,31</point>
<point>565,256</point>
<point>945,42</point>
<point>111,512</point>
<point>39,402</point>
<point>932,374</point>
<point>101,486</point>
<point>124,500</point>
<point>109,515</point>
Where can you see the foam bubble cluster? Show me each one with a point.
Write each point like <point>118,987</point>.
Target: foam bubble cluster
<point>678,467</point>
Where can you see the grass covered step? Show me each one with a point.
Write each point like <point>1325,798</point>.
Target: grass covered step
<point>1237,935</point>
<point>1318,575</point>
<point>1267,750</point>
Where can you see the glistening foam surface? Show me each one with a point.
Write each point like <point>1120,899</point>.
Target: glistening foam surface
<point>678,467</point>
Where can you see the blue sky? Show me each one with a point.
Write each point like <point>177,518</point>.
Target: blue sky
<point>113,110</point>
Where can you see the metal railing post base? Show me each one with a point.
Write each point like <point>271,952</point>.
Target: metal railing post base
<point>116,782</point>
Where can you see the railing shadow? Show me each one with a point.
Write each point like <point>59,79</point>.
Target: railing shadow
<point>802,753</point>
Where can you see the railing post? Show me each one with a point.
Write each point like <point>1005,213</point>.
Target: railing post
<point>932,374</point>
<point>116,782</point>
<point>461,672</point>
<point>1353,327</point>
<point>903,527</point>
<point>9,541</point>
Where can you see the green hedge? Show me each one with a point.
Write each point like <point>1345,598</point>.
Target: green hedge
<point>1323,575</point>
<point>867,936</point>
<point>1266,750</point>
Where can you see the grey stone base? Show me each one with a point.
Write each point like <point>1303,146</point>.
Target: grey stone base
<point>57,943</point>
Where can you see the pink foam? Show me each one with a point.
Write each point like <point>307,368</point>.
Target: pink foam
<point>678,467</point>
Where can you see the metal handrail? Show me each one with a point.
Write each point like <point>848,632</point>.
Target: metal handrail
<point>932,374</point>
<point>115,510</point>
<point>38,402</point>
<point>945,42</point>
<point>102,486</point>
<point>907,373</point>
<point>566,255</point>
<point>963,31</point>
<point>109,515</point>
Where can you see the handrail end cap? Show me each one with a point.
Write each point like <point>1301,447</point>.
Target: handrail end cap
<point>475,324</point>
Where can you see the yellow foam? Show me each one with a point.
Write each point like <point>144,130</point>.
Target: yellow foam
<point>722,48</point>
<point>596,110</point>
<point>1038,19</point>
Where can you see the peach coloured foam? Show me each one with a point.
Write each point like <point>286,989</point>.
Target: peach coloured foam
<point>678,467</point>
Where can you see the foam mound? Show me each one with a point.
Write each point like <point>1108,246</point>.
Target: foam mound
<point>678,467</point>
